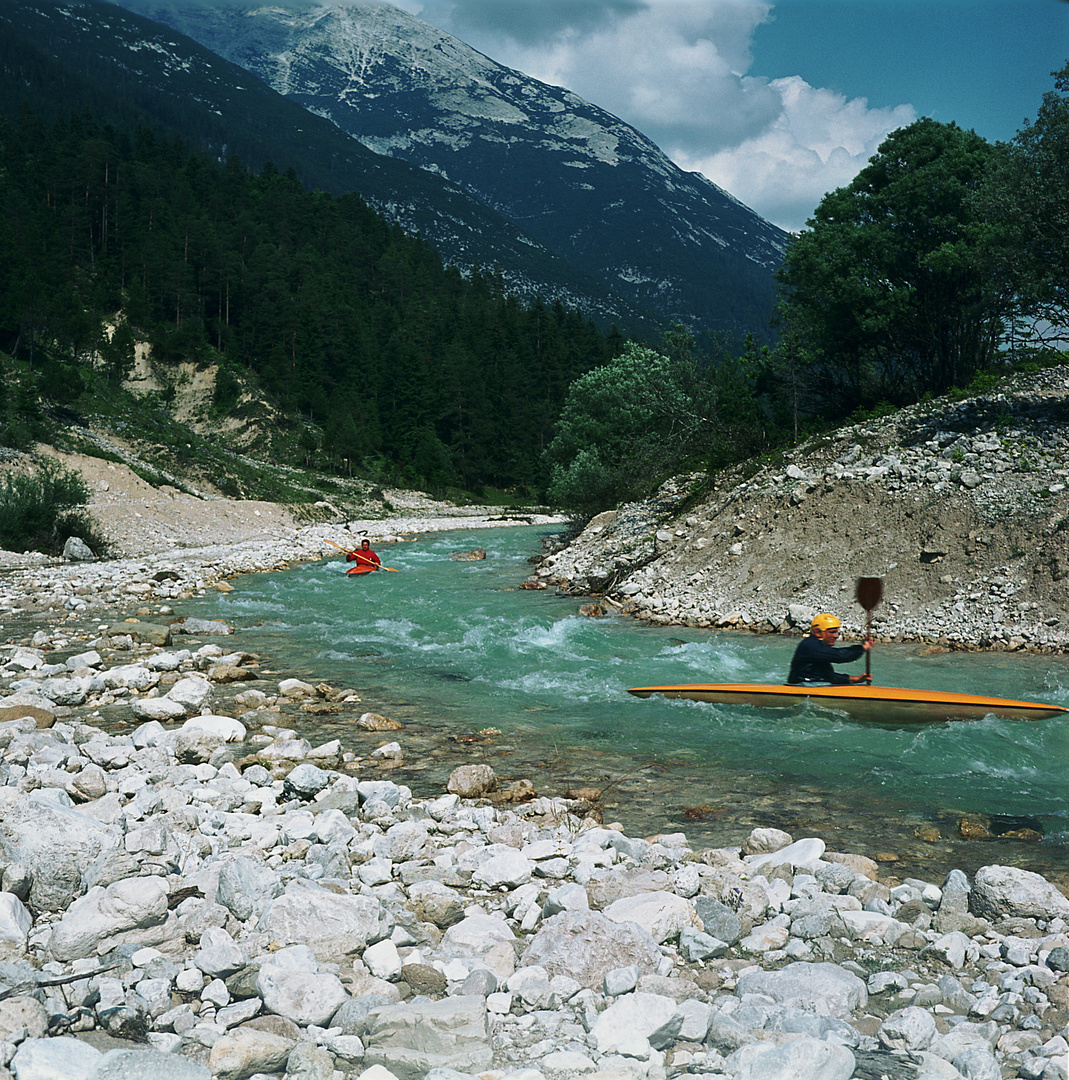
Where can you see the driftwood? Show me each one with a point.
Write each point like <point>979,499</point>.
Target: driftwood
<point>56,980</point>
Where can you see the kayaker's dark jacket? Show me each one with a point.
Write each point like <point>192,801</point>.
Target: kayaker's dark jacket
<point>812,661</point>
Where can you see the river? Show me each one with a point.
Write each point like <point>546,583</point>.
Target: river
<point>452,649</point>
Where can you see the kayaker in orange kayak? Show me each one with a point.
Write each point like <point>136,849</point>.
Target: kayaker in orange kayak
<point>816,652</point>
<point>364,556</point>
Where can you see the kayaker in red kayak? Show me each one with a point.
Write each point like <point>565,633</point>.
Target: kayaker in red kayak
<point>364,556</point>
<point>816,652</point>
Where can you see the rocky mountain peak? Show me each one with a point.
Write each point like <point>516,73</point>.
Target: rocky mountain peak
<point>580,181</point>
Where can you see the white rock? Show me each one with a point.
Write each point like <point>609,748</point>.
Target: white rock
<point>951,948</point>
<point>912,1028</point>
<point>303,997</point>
<point>804,1058</point>
<point>219,955</point>
<point>799,853</point>
<point>402,841</point>
<point>15,920</point>
<point>164,710</point>
<point>333,924</point>
<point>651,1016</point>
<point>104,913</point>
<point>61,1058</point>
<point>225,727</point>
<point>54,843</point>
<point>383,960</point>
<point>765,938</point>
<point>510,869</point>
<point>131,676</point>
<point>296,688</point>
<point>661,914</point>
<point>194,692</point>
<point>825,989</point>
<point>869,925</point>
<point>1006,891</point>
<point>247,1051</point>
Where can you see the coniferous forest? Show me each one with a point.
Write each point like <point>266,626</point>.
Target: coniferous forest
<point>338,316</point>
<point>405,372</point>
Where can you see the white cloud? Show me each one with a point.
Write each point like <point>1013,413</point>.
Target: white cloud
<point>818,142</point>
<point>678,71</point>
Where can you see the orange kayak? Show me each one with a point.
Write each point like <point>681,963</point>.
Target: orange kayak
<point>354,570</point>
<point>887,704</point>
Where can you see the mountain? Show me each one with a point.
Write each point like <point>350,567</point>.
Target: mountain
<point>584,184</point>
<point>64,56</point>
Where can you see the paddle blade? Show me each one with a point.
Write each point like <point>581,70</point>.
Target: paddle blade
<point>869,592</point>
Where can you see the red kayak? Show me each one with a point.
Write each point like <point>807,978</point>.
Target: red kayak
<point>353,570</point>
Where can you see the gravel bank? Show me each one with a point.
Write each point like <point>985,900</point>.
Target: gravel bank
<point>206,894</point>
<point>174,907</point>
<point>961,507</point>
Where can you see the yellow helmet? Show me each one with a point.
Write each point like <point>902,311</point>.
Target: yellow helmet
<point>825,622</point>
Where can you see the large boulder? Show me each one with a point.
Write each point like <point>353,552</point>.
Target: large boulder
<point>825,989</point>
<point>332,924</point>
<point>246,886</point>
<point>105,917</point>
<point>55,843</point>
<point>35,706</point>
<point>15,920</point>
<point>653,1017</point>
<point>804,1058</point>
<point>63,1056</point>
<point>75,549</point>
<point>195,745</point>
<point>661,914</point>
<point>22,1014</point>
<point>412,1039</point>
<point>1006,892</point>
<point>193,693</point>
<point>137,1063</point>
<point>145,633</point>
<point>226,727</point>
<point>487,938</point>
<point>472,781</point>
<point>586,945</point>
<point>164,710</point>
<point>305,997</point>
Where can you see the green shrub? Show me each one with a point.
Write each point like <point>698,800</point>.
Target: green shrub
<point>31,506</point>
<point>81,524</point>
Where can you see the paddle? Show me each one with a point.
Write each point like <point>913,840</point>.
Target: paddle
<point>869,594</point>
<point>362,558</point>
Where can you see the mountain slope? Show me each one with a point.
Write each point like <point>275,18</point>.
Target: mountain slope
<point>61,57</point>
<point>582,182</point>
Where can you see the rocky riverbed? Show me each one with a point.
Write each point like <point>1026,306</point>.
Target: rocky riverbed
<point>210,895</point>
<point>961,507</point>
<point>190,889</point>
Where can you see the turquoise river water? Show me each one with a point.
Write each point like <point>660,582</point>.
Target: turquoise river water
<point>452,648</point>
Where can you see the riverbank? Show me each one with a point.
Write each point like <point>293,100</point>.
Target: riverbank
<point>961,507</point>
<point>190,889</point>
<point>208,894</point>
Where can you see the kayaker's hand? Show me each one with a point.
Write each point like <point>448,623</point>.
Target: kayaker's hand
<point>861,678</point>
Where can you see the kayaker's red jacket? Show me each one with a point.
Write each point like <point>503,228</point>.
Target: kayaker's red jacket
<point>363,557</point>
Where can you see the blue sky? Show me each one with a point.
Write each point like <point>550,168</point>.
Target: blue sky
<point>984,65</point>
<point>780,102</point>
